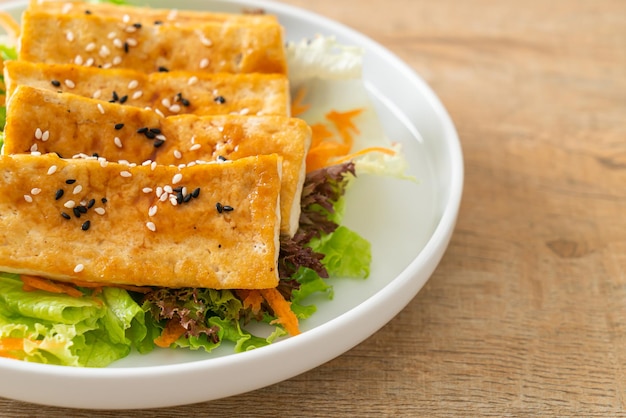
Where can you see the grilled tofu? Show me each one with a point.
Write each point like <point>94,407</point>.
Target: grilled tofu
<point>112,42</point>
<point>176,92</point>
<point>211,225</point>
<point>43,121</point>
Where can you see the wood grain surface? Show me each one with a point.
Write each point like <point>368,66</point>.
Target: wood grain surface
<point>526,314</point>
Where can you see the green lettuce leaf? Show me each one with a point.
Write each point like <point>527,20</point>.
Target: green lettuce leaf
<point>347,254</point>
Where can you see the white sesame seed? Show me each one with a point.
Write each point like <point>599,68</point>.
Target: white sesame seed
<point>78,60</point>
<point>28,198</point>
<point>177,154</point>
<point>100,211</point>
<point>204,63</point>
<point>38,133</point>
<point>175,108</point>
<point>159,191</point>
<point>77,189</point>
<point>181,166</point>
<point>103,163</point>
<point>79,268</point>
<point>96,94</point>
<point>184,191</point>
<point>205,41</point>
<point>117,60</point>
<point>34,148</point>
<point>66,8</point>
<point>168,189</point>
<point>147,190</point>
<point>126,18</point>
<point>131,29</point>
<point>160,137</point>
<point>220,128</point>
<point>104,51</point>
<point>173,200</point>
<point>133,84</point>
<point>123,162</point>
<point>69,36</point>
<point>158,112</point>
<point>100,108</point>
<point>52,169</point>
<point>69,204</point>
<point>151,226</point>
<point>126,173</point>
<point>131,41</point>
<point>152,211</point>
<point>117,42</point>
<point>191,164</point>
<point>70,84</point>
<point>45,136</point>
<point>91,46</point>
<point>153,165</point>
<point>172,14</point>
<point>137,94</point>
<point>35,153</point>
<point>147,162</point>
<point>166,102</point>
<point>192,80</point>
<point>244,111</point>
<point>111,35</point>
<point>107,65</point>
<point>90,61</point>
<point>118,142</point>
<point>195,147</point>
<point>177,178</point>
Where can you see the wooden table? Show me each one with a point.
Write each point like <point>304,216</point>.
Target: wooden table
<point>526,314</point>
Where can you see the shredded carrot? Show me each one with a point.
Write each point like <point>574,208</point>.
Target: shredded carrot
<point>319,134</point>
<point>11,344</point>
<point>10,26</point>
<point>251,299</point>
<point>364,151</point>
<point>297,105</point>
<point>39,283</point>
<point>173,331</point>
<point>282,310</point>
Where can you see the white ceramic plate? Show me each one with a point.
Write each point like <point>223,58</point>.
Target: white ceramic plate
<point>409,225</point>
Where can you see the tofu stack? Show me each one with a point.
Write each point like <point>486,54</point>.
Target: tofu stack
<point>149,147</point>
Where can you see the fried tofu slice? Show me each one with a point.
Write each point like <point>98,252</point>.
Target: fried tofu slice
<point>43,121</point>
<point>171,93</point>
<point>111,42</point>
<point>94,221</point>
<point>147,15</point>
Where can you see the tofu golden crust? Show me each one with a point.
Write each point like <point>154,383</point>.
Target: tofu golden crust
<point>110,223</point>
<point>111,42</point>
<point>45,121</point>
<point>175,92</point>
<point>146,15</point>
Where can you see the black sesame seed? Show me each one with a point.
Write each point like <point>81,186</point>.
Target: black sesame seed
<point>221,158</point>
<point>185,102</point>
<point>137,25</point>
<point>179,197</point>
<point>163,70</point>
<point>115,96</point>
<point>70,181</point>
<point>104,200</point>
<point>195,193</point>
<point>126,47</point>
<point>119,126</point>
<point>155,131</point>
<point>87,12</point>
<point>65,215</point>
<point>95,155</point>
<point>85,226</point>
<point>56,83</point>
<point>228,208</point>
<point>142,130</point>
<point>219,207</point>
<point>76,211</point>
<point>150,135</point>
<point>220,100</point>
<point>158,143</point>
<point>58,194</point>
<point>91,203</point>
<point>187,197</point>
<point>82,209</point>
<point>177,189</point>
<point>58,155</point>
<point>158,22</point>
<point>123,99</point>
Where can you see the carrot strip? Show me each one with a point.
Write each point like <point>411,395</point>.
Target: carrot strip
<point>363,152</point>
<point>11,344</point>
<point>10,26</point>
<point>251,299</point>
<point>173,331</point>
<point>298,106</point>
<point>39,283</point>
<point>282,310</point>
<point>319,134</point>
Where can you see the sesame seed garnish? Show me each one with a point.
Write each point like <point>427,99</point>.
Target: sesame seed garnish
<point>69,204</point>
<point>65,215</point>
<point>147,190</point>
<point>35,191</point>
<point>228,208</point>
<point>244,111</point>
<point>126,18</point>
<point>131,29</point>
<point>137,25</point>
<point>96,94</point>
<point>35,153</point>
<point>126,173</point>
<point>204,63</point>
<point>45,136</point>
<point>158,112</point>
<point>91,46</point>
<point>100,211</point>
<point>220,100</point>
<point>76,211</point>
<point>70,181</point>
<point>103,163</point>
<point>117,60</point>
<point>117,42</point>
<point>133,84</point>
<point>38,133</point>
<point>118,142</point>
<point>168,189</point>
<point>58,194</point>
<point>195,193</point>
<point>78,60</point>
<point>55,83</point>
<point>66,8</point>
<point>34,148</point>
<point>85,226</point>
<point>91,203</point>
<point>69,36</point>
<point>106,66</point>
<point>131,41</point>
<point>192,80</point>
<point>79,268</point>
<point>104,51</point>
<point>28,198</point>
<point>219,207</point>
<point>152,211</point>
<point>156,131</point>
<point>195,147</point>
<point>166,102</point>
<point>77,189</point>
<point>100,108</point>
<point>151,226</point>
<point>174,108</point>
<point>118,126</point>
<point>70,84</point>
<point>163,69</point>
<point>146,163</point>
<point>177,154</point>
<point>137,94</point>
<point>52,169</point>
<point>111,35</point>
<point>153,165</point>
<point>173,200</point>
<point>159,191</point>
<point>104,200</point>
